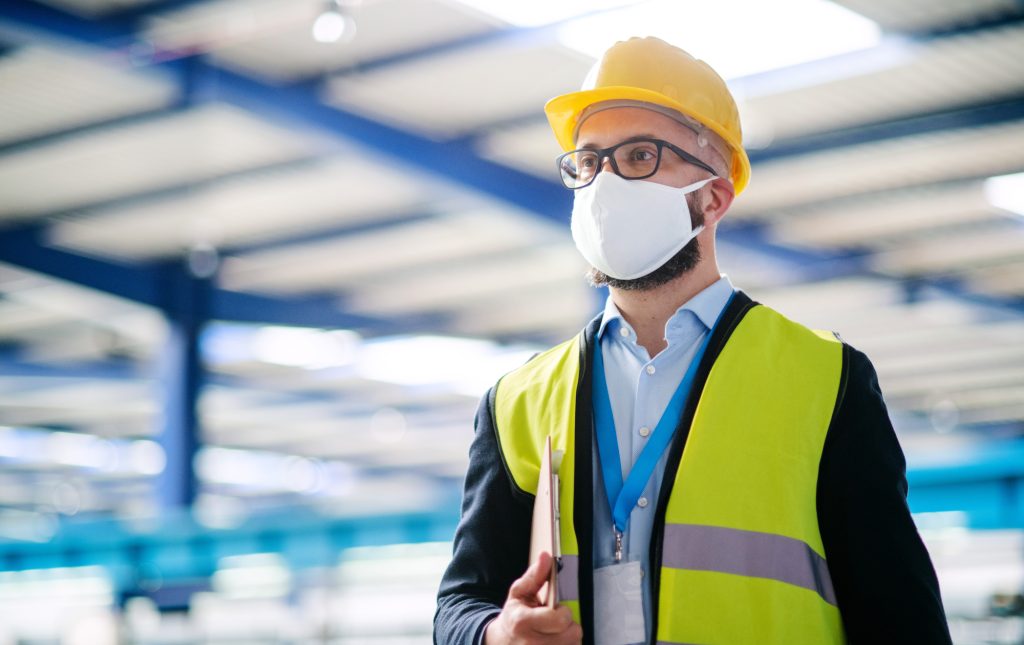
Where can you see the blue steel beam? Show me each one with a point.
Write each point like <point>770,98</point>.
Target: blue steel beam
<point>814,264</point>
<point>111,32</point>
<point>459,162</point>
<point>13,363</point>
<point>300,104</point>
<point>182,375</point>
<point>818,265</point>
<point>27,247</point>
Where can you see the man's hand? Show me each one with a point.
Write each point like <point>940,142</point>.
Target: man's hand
<point>523,620</point>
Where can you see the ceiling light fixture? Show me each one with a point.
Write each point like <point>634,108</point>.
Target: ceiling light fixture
<point>737,38</point>
<point>1006,192</point>
<point>334,24</point>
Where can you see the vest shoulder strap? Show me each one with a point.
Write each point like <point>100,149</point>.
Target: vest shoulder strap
<point>533,401</point>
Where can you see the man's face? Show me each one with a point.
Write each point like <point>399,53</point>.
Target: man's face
<point>612,126</point>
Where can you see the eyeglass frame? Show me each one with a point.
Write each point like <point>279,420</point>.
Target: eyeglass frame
<point>609,153</point>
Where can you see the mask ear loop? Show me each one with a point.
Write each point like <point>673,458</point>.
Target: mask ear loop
<point>697,185</point>
<point>693,188</point>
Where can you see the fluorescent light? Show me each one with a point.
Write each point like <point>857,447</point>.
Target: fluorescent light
<point>420,360</point>
<point>308,348</point>
<point>534,13</point>
<point>332,25</point>
<point>466,365</point>
<point>736,37</point>
<point>1006,192</point>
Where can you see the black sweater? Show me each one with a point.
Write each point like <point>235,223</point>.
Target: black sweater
<point>884,582</point>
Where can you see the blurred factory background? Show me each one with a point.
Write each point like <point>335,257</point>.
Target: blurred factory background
<point>259,259</point>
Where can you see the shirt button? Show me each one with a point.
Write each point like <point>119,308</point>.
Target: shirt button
<point>650,369</point>
<point>623,332</point>
<point>644,431</point>
<point>642,502</point>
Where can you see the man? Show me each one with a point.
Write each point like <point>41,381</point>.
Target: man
<point>729,476</point>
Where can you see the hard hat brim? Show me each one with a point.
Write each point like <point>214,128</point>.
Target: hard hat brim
<point>563,114</point>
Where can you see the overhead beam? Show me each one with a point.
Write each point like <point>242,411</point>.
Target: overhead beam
<point>183,375</point>
<point>300,104</point>
<point>148,284</point>
<point>27,247</point>
<point>457,162</point>
<point>13,364</point>
<point>819,265</point>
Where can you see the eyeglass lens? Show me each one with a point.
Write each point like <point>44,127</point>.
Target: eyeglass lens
<point>632,160</point>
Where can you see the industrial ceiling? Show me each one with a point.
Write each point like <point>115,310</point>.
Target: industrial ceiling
<point>384,235</point>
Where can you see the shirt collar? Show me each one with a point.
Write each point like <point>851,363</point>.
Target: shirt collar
<point>707,305</point>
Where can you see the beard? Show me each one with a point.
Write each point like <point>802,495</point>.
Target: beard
<point>679,264</point>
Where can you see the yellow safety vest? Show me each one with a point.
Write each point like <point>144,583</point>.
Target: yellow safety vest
<point>741,557</point>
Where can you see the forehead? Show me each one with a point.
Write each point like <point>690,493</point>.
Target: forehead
<point>611,126</point>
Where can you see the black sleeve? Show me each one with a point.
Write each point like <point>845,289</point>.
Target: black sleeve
<point>884,580</point>
<point>492,542</point>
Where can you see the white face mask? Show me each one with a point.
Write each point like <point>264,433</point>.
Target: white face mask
<point>627,229</point>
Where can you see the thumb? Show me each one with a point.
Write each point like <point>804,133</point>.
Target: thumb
<point>526,587</point>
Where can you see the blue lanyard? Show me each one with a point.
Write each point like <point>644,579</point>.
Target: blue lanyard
<point>623,496</point>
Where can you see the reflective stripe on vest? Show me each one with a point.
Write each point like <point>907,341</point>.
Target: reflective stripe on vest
<point>742,559</point>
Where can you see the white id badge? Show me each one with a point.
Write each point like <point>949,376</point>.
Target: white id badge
<point>619,604</point>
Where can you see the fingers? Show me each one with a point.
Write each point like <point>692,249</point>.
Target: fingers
<point>524,620</point>
<point>571,636</point>
<point>526,587</point>
<point>549,621</point>
<point>538,625</point>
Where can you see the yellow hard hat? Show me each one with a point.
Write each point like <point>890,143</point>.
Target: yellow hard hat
<point>649,70</point>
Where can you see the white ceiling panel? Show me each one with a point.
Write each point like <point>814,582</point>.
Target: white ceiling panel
<point>452,93</point>
<point>141,324</point>
<point>341,263</point>
<point>882,220</point>
<point>87,401</point>
<point>1003,280</point>
<point>948,252</point>
<point>556,313</point>
<point>153,186</point>
<point>254,208</point>
<point>164,152</point>
<point>274,37</point>
<point>885,165</point>
<point>911,342</point>
<point>458,285</point>
<point>48,90</point>
<point>922,15</point>
<point>910,78</point>
<point>984,351</point>
<point>530,147</point>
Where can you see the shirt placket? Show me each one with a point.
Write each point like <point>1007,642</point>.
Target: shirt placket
<point>641,428</point>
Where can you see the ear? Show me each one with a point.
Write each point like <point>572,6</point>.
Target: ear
<point>717,200</point>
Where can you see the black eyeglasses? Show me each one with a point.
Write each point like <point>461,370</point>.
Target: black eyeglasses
<point>637,158</point>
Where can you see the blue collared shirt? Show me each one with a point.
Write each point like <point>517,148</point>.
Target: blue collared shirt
<point>640,388</point>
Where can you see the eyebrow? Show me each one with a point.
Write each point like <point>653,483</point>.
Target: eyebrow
<point>635,137</point>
